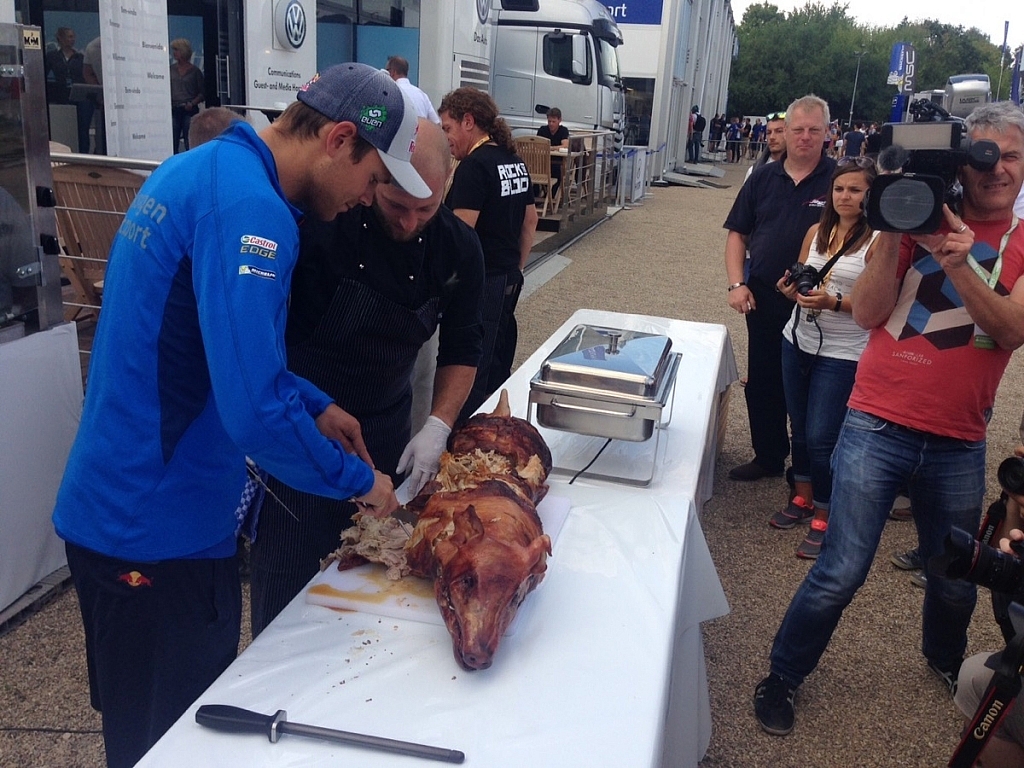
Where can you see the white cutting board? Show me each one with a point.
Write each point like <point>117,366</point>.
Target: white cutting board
<point>368,590</point>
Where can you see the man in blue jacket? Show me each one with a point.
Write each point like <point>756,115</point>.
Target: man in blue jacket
<point>188,377</point>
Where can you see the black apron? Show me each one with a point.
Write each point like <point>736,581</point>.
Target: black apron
<point>362,355</point>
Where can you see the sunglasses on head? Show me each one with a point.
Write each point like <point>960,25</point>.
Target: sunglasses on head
<point>776,116</point>
<point>861,162</point>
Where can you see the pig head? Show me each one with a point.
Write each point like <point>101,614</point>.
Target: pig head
<point>487,552</point>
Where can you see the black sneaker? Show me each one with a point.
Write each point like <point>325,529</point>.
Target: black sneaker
<point>773,705</point>
<point>947,674</point>
<point>797,511</point>
<point>752,471</point>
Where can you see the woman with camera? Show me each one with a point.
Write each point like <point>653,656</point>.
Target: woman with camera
<point>822,344</point>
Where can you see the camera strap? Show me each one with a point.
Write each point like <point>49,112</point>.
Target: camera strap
<point>826,268</point>
<point>999,698</point>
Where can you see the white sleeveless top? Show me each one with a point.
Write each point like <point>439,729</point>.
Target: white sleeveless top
<point>840,336</point>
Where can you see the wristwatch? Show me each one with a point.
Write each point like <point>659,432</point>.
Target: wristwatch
<point>736,285</point>
<point>839,302</point>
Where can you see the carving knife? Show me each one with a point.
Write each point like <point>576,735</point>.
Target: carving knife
<point>222,717</point>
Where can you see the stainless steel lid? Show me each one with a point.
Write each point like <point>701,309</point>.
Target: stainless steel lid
<point>609,360</point>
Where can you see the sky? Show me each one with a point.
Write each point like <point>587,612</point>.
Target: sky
<point>989,17</point>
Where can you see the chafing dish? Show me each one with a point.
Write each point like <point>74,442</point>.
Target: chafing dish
<point>605,382</point>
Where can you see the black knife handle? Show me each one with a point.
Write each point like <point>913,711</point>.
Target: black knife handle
<point>222,717</point>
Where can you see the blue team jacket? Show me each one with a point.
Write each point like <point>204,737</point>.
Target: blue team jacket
<point>188,368</point>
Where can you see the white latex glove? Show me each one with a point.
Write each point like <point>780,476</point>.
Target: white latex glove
<point>421,456</point>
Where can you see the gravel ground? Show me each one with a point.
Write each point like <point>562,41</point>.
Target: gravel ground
<point>872,701</point>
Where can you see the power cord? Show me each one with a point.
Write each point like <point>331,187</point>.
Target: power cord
<point>591,462</point>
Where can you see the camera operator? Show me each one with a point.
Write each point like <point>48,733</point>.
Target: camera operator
<point>943,327</point>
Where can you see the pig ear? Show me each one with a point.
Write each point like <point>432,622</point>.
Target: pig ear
<point>536,554</point>
<point>467,525</point>
<point>502,409</point>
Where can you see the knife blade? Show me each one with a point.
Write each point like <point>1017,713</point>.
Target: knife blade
<point>223,717</point>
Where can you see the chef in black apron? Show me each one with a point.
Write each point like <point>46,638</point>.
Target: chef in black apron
<point>369,289</point>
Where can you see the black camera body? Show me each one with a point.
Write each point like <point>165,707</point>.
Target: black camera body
<point>804,276</point>
<point>964,557</point>
<point>923,159</point>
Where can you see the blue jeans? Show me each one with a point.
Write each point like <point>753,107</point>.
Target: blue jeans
<point>871,461</point>
<point>817,389</point>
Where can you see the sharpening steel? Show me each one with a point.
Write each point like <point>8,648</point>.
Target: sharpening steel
<point>222,717</point>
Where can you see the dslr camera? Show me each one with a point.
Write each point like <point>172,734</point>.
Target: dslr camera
<point>964,557</point>
<point>805,276</point>
<point>922,159</point>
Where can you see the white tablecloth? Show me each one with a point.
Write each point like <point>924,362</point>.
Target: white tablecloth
<point>40,407</point>
<point>608,670</point>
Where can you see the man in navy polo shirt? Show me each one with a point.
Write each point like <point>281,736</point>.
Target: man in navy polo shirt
<point>770,217</point>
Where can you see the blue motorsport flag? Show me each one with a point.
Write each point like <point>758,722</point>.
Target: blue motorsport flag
<point>1015,82</point>
<point>896,65</point>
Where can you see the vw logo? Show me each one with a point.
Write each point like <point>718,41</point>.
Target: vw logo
<point>483,9</point>
<point>290,24</point>
<point>295,24</point>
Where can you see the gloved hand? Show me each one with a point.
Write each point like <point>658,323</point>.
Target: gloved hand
<point>420,457</point>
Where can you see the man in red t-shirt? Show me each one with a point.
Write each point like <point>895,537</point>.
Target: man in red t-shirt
<point>945,312</point>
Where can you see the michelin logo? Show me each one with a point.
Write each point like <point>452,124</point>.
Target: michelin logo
<point>266,274</point>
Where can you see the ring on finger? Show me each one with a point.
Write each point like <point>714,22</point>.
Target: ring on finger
<point>962,227</point>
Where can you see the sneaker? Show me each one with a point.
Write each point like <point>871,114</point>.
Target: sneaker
<point>751,471</point>
<point>908,561</point>
<point>797,511</point>
<point>901,510</point>
<point>773,705</point>
<point>947,674</point>
<point>919,579</point>
<point>810,547</point>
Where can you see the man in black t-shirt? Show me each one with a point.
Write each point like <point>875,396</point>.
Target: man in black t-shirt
<point>558,135</point>
<point>491,192</point>
<point>368,290</point>
<point>853,141</point>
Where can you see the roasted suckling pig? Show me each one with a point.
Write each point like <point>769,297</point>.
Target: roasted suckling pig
<point>477,535</point>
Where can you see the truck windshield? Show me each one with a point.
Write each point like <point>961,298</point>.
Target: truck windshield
<point>607,63</point>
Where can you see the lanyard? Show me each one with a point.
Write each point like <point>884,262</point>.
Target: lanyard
<point>480,143</point>
<point>991,278</point>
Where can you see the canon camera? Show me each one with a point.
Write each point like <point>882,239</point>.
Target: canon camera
<point>804,276</point>
<point>919,162</point>
<point>964,557</point>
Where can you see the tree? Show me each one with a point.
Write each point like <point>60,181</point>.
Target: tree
<point>814,50</point>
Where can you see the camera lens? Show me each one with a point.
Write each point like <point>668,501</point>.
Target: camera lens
<point>966,558</point>
<point>1011,475</point>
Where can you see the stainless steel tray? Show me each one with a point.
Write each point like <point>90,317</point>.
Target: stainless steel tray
<point>608,360</point>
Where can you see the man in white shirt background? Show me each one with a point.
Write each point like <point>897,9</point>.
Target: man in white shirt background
<point>398,68</point>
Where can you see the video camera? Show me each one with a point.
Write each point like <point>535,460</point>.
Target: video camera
<point>922,159</point>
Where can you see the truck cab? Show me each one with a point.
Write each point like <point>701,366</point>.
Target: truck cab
<point>562,55</point>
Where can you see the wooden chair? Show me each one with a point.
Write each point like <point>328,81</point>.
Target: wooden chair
<point>535,151</point>
<point>91,204</point>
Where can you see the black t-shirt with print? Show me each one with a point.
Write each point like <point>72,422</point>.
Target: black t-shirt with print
<point>496,183</point>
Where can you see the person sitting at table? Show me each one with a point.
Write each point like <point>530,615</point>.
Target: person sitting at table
<point>558,135</point>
